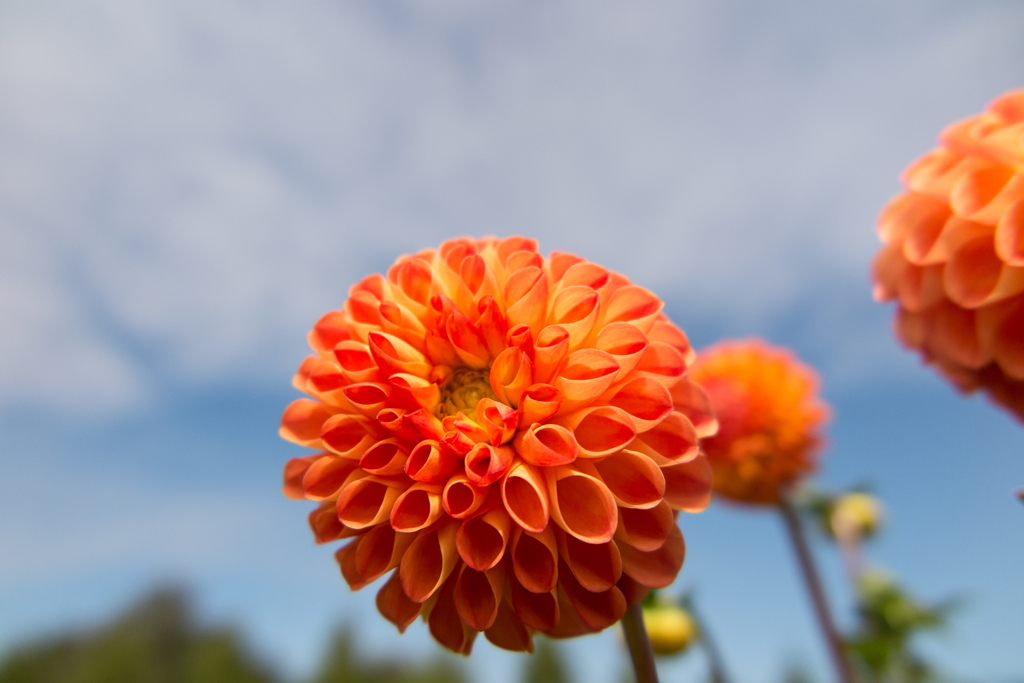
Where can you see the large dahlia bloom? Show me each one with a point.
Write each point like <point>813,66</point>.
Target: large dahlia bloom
<point>509,436</point>
<point>953,254</point>
<point>769,418</point>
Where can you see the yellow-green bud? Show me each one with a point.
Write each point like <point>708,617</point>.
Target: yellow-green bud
<point>671,629</point>
<point>856,515</point>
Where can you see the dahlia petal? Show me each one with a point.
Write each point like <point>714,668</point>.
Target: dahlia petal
<point>325,477</point>
<point>1001,329</point>
<point>922,176</point>
<point>481,540</point>
<point>523,259</point>
<point>1010,235</point>
<point>581,503</point>
<point>508,631</point>
<point>559,263</point>
<point>647,401</point>
<point>538,403</point>
<point>346,559</point>
<point>493,326</point>
<point>460,498</point>
<point>920,288</point>
<point>688,485</point>
<point>625,343</point>
<point>633,592</point>
<point>394,355</point>
<point>415,280</point>
<point>399,321</point>
<point>634,480</point>
<point>646,530</point>
<point>326,526</point>
<point>586,374</point>
<point>691,400</point>
<point>380,551</point>
<point>549,350</point>
<point>477,281</point>
<point>984,195</point>
<point>546,445</point>
<point>575,309</point>
<point>302,421</point>
<point>301,376</point>
<point>369,398</point>
<point>412,392</point>
<point>570,623</point>
<point>478,595</point>
<point>599,431</point>
<point>670,442</point>
<point>333,327</point>
<point>521,337</point>
<point>497,419</point>
<point>632,304</point>
<point>347,435</point>
<point>294,471</point>
<point>659,568</point>
<point>468,342</point>
<point>445,624</point>
<point>356,361</point>
<point>361,309</point>
<point>526,298</point>
<point>975,276</point>
<point>662,363</point>
<point>597,610</point>
<point>665,332</point>
<point>395,605</point>
<point>954,336</point>
<point>486,464</point>
<point>535,559</point>
<point>597,566</point>
<point>886,271</point>
<point>430,461</point>
<point>537,610</point>
<point>510,245</point>
<point>418,507</point>
<point>391,420</point>
<point>426,423</point>
<point>511,374</point>
<point>368,501</point>
<point>586,274</point>
<point>439,350</point>
<point>429,561</point>
<point>325,376</point>
<point>922,221</point>
<point>525,495</point>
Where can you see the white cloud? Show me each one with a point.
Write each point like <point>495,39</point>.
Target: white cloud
<point>197,182</point>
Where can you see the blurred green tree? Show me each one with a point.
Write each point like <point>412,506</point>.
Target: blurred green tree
<point>343,664</point>
<point>546,665</point>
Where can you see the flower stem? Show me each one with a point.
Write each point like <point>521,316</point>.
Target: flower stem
<point>814,587</point>
<point>639,645</point>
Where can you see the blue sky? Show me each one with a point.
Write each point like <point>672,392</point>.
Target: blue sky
<point>186,186</point>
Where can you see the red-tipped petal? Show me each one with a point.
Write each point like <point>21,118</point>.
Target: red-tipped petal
<point>633,479</point>
<point>688,486</point>
<point>537,610</point>
<point>535,559</point>
<point>347,435</point>
<point>294,471</point>
<point>526,298</point>
<point>428,562</point>
<point>478,595</point>
<point>368,501</point>
<point>659,568</point>
<point>481,541</point>
<point>429,461</point>
<point>525,495</point>
<point>539,402</point>
<point>581,504</point>
<point>596,566</point>
<point>486,464</point>
<point>395,605</point>
<point>380,551</point>
<point>645,530</point>
<point>575,309</point>
<point>302,421</point>
<point>508,631</point>
<point>672,441</point>
<point>599,431</point>
<point>325,477</point>
<point>546,445</point>
<point>461,498</point>
<point>597,610</point>
<point>417,508</point>
<point>549,351</point>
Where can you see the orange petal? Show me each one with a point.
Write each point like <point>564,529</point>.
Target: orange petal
<point>347,435</point>
<point>633,592</point>
<point>497,419</point>
<point>645,530</point>
<point>508,631</point>
<point>302,374</point>
<point>326,526</point>
<point>646,400</point>
<point>380,551</point>
<point>581,504</point>
<point>575,309</point>
<point>632,304</point>
<point>586,274</point>
<point>597,610</point>
<point>486,464</point>
<point>302,421</point>
<point>294,471</point>
<point>346,559</point>
<point>625,343</point>
<point>468,342</point>
<point>412,392</point>
<point>657,569</point>
<point>537,610</point>
<point>395,605</point>
<point>526,298</point>
<point>550,349</point>
<point>369,398</point>
<point>538,403</point>
<point>954,336</point>
<point>325,376</point>
<point>662,363</point>
<point>481,540</point>
<point>511,374</point>
<point>535,559</point>
<point>546,445</point>
<point>670,442</point>
<point>428,562</point>
<point>391,420</point>
<point>461,498</point>
<point>634,480</point>
<point>596,566</point>
<point>559,263</point>
<point>1001,329</point>
<point>599,431</point>
<point>402,323</point>
<point>394,355</point>
<point>493,326</point>
<point>1010,235</point>
<point>984,195</point>
<point>429,461</point>
<point>586,374</point>
<point>525,495</point>
<point>325,477</point>
<point>426,423</point>
<point>975,275</point>
<point>368,501</point>
<point>521,338</point>
<point>417,508</point>
<point>570,624</point>
<point>445,624</point>
<point>333,327</point>
<point>691,400</point>
<point>688,485</point>
<point>414,278</point>
<point>665,332</point>
<point>478,595</point>
<point>356,361</point>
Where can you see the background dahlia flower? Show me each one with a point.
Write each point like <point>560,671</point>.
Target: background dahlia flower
<point>509,436</point>
<point>769,418</point>
<point>953,254</point>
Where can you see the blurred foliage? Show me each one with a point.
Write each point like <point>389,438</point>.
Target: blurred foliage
<point>546,665</point>
<point>343,664</point>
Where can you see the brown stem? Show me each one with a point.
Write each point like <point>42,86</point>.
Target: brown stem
<point>639,645</point>
<point>810,574</point>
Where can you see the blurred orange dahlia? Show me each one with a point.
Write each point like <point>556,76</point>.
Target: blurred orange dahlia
<point>953,254</point>
<point>510,436</point>
<point>769,418</point>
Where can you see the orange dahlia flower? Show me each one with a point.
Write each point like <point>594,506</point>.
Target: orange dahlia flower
<point>953,254</point>
<point>509,436</point>
<point>768,419</point>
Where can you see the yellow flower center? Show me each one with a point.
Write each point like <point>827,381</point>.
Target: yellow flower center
<point>463,390</point>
